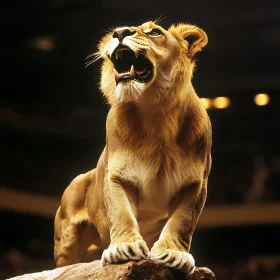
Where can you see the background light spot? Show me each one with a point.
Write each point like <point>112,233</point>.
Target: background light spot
<point>261,99</point>
<point>221,102</point>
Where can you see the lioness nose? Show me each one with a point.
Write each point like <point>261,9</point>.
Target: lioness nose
<point>122,33</point>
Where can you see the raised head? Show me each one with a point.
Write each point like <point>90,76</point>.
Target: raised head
<point>147,60</point>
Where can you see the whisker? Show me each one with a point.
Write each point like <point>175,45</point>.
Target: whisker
<point>96,55</point>
<point>160,18</point>
<point>111,29</point>
<point>89,63</point>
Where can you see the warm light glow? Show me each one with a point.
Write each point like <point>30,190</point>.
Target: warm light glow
<point>221,102</point>
<point>44,43</point>
<point>261,99</point>
<point>207,102</point>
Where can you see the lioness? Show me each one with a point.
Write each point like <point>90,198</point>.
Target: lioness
<point>143,199</point>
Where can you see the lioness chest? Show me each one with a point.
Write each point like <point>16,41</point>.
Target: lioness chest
<point>157,172</point>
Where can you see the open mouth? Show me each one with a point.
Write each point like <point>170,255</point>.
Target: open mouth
<point>130,65</point>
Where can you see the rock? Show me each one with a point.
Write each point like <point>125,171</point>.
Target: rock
<point>144,270</point>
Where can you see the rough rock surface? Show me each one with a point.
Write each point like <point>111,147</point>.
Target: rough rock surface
<point>144,270</point>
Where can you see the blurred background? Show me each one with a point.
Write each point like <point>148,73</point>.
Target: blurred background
<point>52,123</point>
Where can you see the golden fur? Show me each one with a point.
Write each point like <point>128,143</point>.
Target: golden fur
<point>144,198</point>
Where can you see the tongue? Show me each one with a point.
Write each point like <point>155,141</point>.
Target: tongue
<point>139,72</point>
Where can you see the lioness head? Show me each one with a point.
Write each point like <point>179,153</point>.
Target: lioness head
<point>147,61</point>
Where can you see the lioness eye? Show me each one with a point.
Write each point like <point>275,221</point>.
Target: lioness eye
<point>155,32</point>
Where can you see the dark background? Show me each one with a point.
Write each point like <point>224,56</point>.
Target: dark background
<point>52,117</point>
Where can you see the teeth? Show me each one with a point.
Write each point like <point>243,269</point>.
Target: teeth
<point>124,49</point>
<point>136,55</point>
<point>132,73</point>
<point>117,75</point>
<point>117,54</point>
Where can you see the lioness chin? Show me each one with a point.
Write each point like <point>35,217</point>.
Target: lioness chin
<point>144,198</point>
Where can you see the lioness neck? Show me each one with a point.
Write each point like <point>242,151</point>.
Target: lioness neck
<point>161,120</point>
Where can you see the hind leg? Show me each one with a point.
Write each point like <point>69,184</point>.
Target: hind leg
<point>72,240</point>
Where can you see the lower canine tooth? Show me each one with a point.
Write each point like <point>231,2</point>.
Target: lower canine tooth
<point>117,75</point>
<point>132,73</point>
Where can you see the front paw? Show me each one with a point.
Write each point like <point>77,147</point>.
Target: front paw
<point>123,252</point>
<point>178,260</point>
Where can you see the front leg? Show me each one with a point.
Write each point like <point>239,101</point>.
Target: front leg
<point>174,242</point>
<point>126,242</point>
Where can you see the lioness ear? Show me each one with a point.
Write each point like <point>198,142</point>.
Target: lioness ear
<point>195,37</point>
